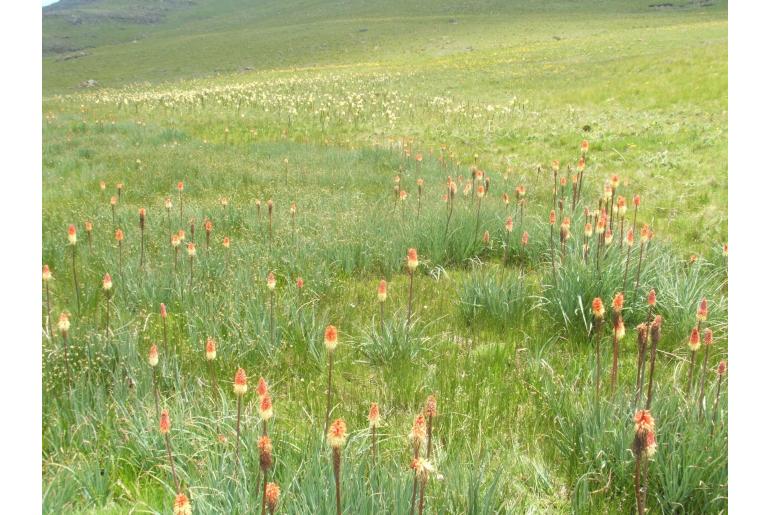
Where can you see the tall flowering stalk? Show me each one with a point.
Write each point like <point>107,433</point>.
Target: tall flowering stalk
<point>330,341</point>
<point>417,438</point>
<point>564,235</point>
<point>480,192</point>
<point>46,280</point>
<point>422,471</point>
<point>165,429</point>
<point>119,238</point>
<point>64,329</point>
<point>622,209</point>
<point>265,410</point>
<point>273,493</point>
<point>107,289</point>
<point>336,437</point>
<point>708,340</point>
<point>240,386</point>
<point>72,237</point>
<point>191,256</point>
<point>211,355</point>
<point>618,332</point>
<point>168,204</point>
<point>113,205</point>
<point>551,222</point>
<point>382,296</point>
<point>411,265</point>
<point>374,423</point>
<point>142,215</point>
<point>175,243</point>
<point>597,308</point>
<point>271,289</point>
<point>644,331</point>
<point>645,236</point>
<point>265,462</point>
<point>521,193</point>
<point>654,338</point>
<point>693,343</point>
<point>208,226</point>
<point>582,166</point>
<point>430,414</point>
<point>89,226</point>
<point>643,447</point>
<point>420,183</point>
<point>163,317</point>
<point>152,360</point>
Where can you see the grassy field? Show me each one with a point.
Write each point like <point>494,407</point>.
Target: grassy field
<point>342,98</point>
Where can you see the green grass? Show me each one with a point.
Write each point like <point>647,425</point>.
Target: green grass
<point>505,350</point>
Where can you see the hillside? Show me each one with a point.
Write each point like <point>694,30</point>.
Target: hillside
<point>119,41</point>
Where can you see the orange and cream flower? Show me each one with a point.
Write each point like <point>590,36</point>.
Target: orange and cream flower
<point>607,236</point>
<point>182,505</point>
<point>411,259</point>
<point>521,191</point>
<point>418,434</point>
<point>152,356</point>
<point>584,146</point>
<point>622,206</point>
<point>552,217</point>
<point>272,494</point>
<point>509,224</point>
<point>374,415</point>
<point>266,408</point>
<point>581,164</point>
<point>107,282</point>
<point>211,349</point>
<point>630,238</point>
<point>113,201</point>
<point>165,422</point>
<point>337,435</point>
<point>597,307</point>
<point>119,235</point>
<point>708,337</point>
<point>240,384</point>
<point>72,234</point>
<point>270,281</point>
<point>382,291</point>
<point>330,338</point>
<point>46,273</point>
<point>167,202</point>
<point>588,230</point>
<point>722,368</point>
<point>89,226</point>
<point>262,387</point>
<point>525,238</point>
<point>422,468</point>
<point>617,302</point>
<point>191,249</point>
<point>102,185</point>
<point>652,298</point>
<point>637,200</point>
<point>163,312</point>
<point>694,341</point>
<point>643,421</point>
<point>226,242</point>
<point>64,323</point>
<point>175,241</point>
<point>180,186</point>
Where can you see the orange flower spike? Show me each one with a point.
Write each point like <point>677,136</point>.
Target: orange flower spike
<point>330,338</point>
<point>338,434</point>
<point>382,291</point>
<point>525,238</point>
<point>694,341</point>
<point>240,384</point>
<point>411,259</point>
<point>597,307</point>
<point>374,415</point>
<point>262,387</point>
<point>165,422</point>
<point>72,234</point>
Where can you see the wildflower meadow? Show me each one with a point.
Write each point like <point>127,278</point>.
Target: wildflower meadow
<point>465,282</point>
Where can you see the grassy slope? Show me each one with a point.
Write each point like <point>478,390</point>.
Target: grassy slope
<point>652,86</point>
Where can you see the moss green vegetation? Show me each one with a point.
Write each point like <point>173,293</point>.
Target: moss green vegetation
<point>327,118</point>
